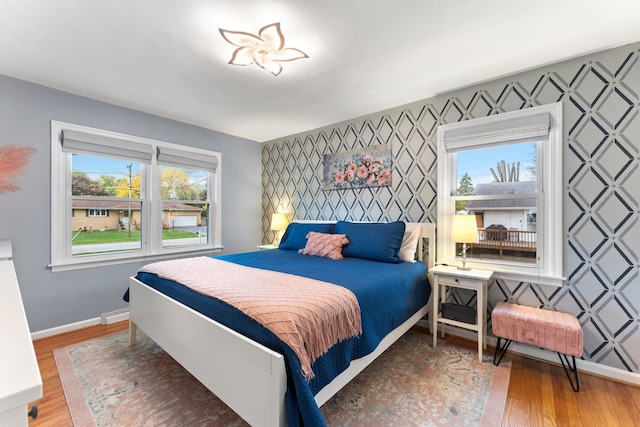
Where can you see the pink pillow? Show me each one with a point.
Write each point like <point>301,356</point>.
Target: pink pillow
<point>325,245</point>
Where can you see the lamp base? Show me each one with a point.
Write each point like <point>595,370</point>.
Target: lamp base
<point>464,259</point>
<point>278,238</point>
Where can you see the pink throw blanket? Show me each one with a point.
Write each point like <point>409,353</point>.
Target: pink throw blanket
<point>309,315</point>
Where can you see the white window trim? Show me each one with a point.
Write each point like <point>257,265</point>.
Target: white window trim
<point>61,259</point>
<point>549,268</point>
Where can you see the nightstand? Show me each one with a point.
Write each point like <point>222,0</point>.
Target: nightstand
<point>476,280</point>
<point>266,247</point>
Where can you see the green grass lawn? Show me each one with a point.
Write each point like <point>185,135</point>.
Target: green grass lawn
<point>113,236</point>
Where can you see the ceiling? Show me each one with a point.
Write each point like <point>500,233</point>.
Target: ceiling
<point>168,58</point>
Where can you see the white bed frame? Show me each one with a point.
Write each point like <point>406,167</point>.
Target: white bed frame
<point>249,377</point>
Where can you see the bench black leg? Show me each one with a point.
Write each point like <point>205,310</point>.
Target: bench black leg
<point>571,371</point>
<point>502,349</point>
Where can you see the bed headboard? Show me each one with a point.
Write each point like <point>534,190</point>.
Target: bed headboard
<point>428,233</point>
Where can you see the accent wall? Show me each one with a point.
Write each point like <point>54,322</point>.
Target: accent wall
<point>601,171</point>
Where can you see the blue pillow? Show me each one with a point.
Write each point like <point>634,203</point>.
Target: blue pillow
<point>295,237</point>
<point>377,241</point>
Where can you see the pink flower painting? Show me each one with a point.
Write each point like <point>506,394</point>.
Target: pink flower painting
<point>364,167</point>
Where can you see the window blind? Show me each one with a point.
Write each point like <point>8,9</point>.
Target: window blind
<point>186,159</point>
<point>91,144</point>
<point>529,128</point>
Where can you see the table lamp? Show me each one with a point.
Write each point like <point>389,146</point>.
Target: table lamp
<point>279,223</point>
<point>464,230</point>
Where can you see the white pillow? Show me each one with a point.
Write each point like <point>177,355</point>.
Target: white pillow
<point>410,242</point>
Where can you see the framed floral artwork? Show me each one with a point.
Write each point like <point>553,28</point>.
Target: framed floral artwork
<point>359,168</point>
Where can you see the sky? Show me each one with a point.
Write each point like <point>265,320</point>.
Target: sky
<point>477,163</point>
<point>96,166</point>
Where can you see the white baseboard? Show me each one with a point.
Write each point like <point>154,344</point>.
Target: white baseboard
<point>589,367</point>
<point>105,319</point>
<point>65,328</point>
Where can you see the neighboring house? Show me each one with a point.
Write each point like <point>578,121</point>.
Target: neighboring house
<point>115,215</point>
<point>513,214</point>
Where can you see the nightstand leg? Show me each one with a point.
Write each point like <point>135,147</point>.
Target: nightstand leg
<point>443,297</point>
<point>480,333</point>
<point>484,313</point>
<point>434,311</point>
<point>481,325</point>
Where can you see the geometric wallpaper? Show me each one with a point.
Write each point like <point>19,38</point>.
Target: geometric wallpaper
<point>601,172</point>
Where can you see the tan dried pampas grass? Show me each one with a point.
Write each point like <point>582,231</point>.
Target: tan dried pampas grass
<point>13,159</point>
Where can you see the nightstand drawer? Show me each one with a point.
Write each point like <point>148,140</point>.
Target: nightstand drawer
<point>458,282</point>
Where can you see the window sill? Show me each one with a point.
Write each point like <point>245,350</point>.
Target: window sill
<point>128,257</point>
<point>514,273</point>
<point>530,278</point>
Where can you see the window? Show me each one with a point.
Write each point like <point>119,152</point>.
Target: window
<point>97,212</point>
<point>506,170</point>
<point>498,185</point>
<point>117,197</point>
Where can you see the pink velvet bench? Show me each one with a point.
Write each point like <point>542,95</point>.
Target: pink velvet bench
<point>551,330</point>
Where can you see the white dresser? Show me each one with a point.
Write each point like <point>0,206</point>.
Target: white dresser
<point>20,381</point>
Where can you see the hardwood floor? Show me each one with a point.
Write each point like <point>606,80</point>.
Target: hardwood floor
<point>539,393</point>
<point>52,408</point>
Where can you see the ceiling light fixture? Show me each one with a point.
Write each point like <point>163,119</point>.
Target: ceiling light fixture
<point>266,50</point>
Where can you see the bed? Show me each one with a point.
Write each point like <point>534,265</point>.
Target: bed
<point>247,366</point>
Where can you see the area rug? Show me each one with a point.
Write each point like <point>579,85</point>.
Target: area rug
<point>107,383</point>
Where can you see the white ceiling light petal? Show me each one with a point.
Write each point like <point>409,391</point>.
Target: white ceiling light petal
<point>272,35</point>
<point>265,50</point>
<point>289,54</point>
<point>242,56</point>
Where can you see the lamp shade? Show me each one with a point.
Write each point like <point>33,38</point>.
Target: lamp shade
<point>279,221</point>
<point>464,229</point>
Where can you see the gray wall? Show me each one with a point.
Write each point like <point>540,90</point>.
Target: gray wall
<point>55,299</point>
<point>601,104</point>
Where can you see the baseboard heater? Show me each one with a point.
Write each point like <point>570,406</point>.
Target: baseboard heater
<point>114,316</point>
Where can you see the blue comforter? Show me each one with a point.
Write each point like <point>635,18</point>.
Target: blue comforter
<point>388,295</point>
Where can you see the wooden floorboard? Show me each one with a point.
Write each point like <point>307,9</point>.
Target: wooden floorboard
<point>52,408</point>
<point>539,392</point>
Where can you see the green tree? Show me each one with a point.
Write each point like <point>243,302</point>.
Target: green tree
<point>82,185</point>
<point>176,185</point>
<point>122,187</point>
<point>465,188</point>
<point>108,183</point>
